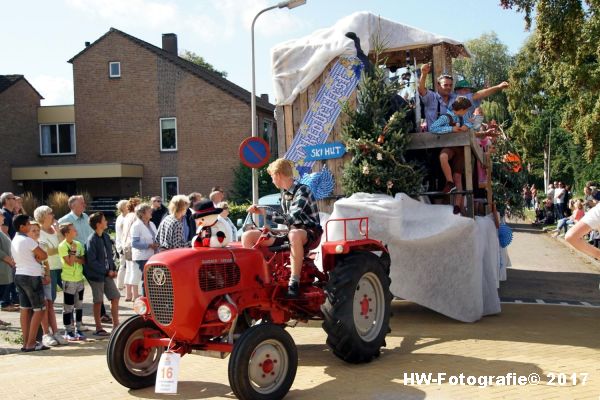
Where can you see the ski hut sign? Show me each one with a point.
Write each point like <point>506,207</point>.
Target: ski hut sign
<point>315,75</point>
<point>325,151</point>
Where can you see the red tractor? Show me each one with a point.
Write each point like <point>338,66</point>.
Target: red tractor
<point>218,301</point>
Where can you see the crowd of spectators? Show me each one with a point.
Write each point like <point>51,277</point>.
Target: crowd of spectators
<point>559,207</point>
<point>40,256</point>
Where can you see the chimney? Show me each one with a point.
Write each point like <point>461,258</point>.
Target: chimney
<point>169,43</point>
<point>87,44</point>
<point>265,97</point>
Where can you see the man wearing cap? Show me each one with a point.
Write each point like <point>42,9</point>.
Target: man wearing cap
<point>437,103</point>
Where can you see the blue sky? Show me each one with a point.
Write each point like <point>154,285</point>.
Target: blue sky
<point>38,37</point>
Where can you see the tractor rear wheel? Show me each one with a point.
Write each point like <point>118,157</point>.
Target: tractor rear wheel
<point>357,309</point>
<point>130,363</point>
<point>263,363</point>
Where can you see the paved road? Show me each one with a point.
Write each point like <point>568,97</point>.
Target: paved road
<point>524,339</point>
<point>545,268</point>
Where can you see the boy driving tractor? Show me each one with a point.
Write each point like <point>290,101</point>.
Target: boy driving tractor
<point>300,214</point>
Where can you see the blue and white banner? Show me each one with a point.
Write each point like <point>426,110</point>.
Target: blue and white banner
<point>324,111</point>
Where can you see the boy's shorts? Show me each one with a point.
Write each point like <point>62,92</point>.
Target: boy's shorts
<point>108,288</point>
<point>72,287</point>
<point>313,237</point>
<point>31,292</point>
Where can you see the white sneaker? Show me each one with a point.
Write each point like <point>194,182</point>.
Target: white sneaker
<point>60,339</point>
<point>48,340</point>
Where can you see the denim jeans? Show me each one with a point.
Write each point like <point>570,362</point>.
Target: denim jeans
<point>55,280</point>
<point>8,294</point>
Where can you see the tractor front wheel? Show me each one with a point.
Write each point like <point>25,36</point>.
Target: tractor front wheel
<point>357,309</point>
<point>131,363</point>
<point>263,363</point>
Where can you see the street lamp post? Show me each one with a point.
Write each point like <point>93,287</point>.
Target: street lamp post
<point>289,4</point>
<point>549,140</point>
<point>546,159</point>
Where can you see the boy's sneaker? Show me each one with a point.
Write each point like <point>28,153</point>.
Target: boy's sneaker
<point>49,341</point>
<point>293,290</point>
<point>60,339</point>
<point>80,335</point>
<point>70,336</point>
<point>449,188</point>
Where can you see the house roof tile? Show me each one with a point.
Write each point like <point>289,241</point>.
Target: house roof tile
<point>7,81</point>
<point>197,70</point>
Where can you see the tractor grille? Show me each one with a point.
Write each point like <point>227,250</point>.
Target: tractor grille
<point>218,276</point>
<point>160,293</point>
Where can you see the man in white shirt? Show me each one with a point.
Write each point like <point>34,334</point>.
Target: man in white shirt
<point>28,279</point>
<point>574,236</point>
<point>559,200</point>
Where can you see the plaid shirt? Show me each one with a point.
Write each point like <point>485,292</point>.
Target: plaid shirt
<point>170,233</point>
<point>299,207</point>
<point>443,124</point>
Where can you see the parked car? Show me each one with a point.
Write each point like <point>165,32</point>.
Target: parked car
<point>255,220</point>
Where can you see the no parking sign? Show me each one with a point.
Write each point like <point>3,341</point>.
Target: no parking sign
<point>254,152</point>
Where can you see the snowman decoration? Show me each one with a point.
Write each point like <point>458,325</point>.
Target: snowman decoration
<point>211,231</point>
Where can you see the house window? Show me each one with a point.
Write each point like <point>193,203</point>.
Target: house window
<point>267,129</point>
<point>114,69</point>
<point>170,187</point>
<point>57,139</point>
<point>168,134</point>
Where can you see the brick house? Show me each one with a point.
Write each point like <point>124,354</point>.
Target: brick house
<point>147,121</point>
<point>19,103</point>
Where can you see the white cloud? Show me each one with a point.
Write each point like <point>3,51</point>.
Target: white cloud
<point>211,21</point>
<point>56,90</point>
<point>128,12</point>
<point>270,23</point>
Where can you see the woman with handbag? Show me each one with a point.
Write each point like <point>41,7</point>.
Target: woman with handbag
<point>143,245</point>
<point>122,210</point>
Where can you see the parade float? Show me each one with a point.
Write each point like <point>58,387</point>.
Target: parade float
<point>447,263</point>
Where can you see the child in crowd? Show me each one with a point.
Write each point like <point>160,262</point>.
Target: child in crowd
<point>453,121</point>
<point>576,215</point>
<point>72,256</point>
<point>49,327</point>
<point>28,280</point>
<point>485,135</point>
<point>100,271</point>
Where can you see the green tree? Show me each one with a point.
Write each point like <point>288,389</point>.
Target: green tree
<point>377,141</point>
<point>566,44</point>
<point>488,65</point>
<point>242,184</point>
<point>506,183</point>
<point>199,60</point>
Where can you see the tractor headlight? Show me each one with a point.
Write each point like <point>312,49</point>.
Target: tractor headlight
<point>225,313</point>
<point>140,307</point>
